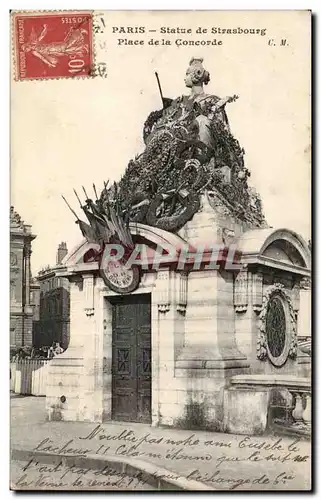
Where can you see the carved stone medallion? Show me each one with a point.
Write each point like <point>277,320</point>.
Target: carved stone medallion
<point>277,338</point>
<point>117,276</point>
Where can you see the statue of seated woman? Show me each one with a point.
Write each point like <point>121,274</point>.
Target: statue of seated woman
<point>190,117</point>
<point>186,144</point>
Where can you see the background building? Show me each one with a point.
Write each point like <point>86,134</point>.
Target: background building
<point>54,306</point>
<point>21,311</point>
<point>35,303</point>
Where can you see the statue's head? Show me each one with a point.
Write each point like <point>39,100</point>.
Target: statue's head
<point>196,74</point>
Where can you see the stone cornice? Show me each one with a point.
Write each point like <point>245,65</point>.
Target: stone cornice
<point>257,259</point>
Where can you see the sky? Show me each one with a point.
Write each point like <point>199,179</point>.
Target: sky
<point>70,133</point>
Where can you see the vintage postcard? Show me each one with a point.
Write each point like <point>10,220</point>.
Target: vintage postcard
<point>160,259</point>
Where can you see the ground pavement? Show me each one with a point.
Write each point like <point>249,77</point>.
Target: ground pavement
<point>208,459</point>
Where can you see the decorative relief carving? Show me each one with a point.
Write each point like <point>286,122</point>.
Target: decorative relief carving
<point>241,291</point>
<point>117,276</point>
<point>286,282</point>
<point>228,236</point>
<point>14,273</point>
<point>296,297</point>
<point>277,291</point>
<point>182,293</point>
<point>13,260</point>
<point>257,291</point>
<point>305,283</point>
<point>163,289</point>
<point>77,281</point>
<point>275,326</point>
<point>89,294</point>
<point>15,219</point>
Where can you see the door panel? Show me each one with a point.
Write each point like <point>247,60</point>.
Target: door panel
<point>131,370</point>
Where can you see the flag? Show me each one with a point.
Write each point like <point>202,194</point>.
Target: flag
<point>99,226</point>
<point>109,225</point>
<point>87,231</point>
<point>122,233</point>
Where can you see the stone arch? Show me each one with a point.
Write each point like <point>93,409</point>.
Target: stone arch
<point>75,256</point>
<point>153,235</point>
<point>281,244</point>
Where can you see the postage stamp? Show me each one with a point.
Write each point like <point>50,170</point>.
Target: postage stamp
<point>53,45</point>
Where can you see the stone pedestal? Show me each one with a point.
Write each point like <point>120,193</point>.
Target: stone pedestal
<point>208,356</point>
<point>74,390</point>
<point>304,364</point>
<point>209,326</point>
<point>206,327</point>
<point>246,410</point>
<point>247,400</point>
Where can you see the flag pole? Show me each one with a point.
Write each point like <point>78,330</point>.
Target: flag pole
<point>87,197</point>
<point>78,198</point>
<point>73,212</point>
<point>95,191</point>
<point>160,88</point>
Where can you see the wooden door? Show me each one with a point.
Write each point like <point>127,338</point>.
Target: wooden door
<point>131,366</point>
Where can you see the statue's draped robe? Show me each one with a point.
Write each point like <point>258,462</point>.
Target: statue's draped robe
<point>194,114</point>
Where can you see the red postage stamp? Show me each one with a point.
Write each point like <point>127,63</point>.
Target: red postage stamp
<point>53,45</point>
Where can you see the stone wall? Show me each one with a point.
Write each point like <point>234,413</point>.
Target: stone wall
<point>20,276</point>
<point>54,317</point>
<point>197,352</point>
<point>20,324</point>
<point>304,319</point>
<point>199,341</point>
<point>204,330</point>
<point>66,377</point>
<point>16,293</point>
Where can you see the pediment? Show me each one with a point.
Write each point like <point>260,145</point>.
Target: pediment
<point>275,245</point>
<point>284,251</point>
<point>85,253</point>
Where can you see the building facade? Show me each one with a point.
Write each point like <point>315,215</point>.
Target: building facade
<point>167,352</point>
<point>206,344</point>
<point>54,307</point>
<point>35,303</point>
<point>21,310</point>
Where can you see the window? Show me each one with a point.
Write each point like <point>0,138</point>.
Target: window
<point>278,327</point>
<point>275,327</point>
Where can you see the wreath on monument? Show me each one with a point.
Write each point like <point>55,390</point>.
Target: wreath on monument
<point>174,156</point>
<point>290,348</point>
<point>181,207</point>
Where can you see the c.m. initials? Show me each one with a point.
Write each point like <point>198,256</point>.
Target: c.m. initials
<point>273,43</point>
